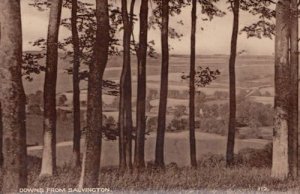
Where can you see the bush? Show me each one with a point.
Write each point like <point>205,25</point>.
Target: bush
<point>212,160</point>
<point>35,109</point>
<point>214,125</point>
<point>179,111</point>
<point>110,128</point>
<point>248,157</point>
<point>178,124</point>
<point>259,158</point>
<point>151,124</point>
<point>62,99</point>
<point>254,114</point>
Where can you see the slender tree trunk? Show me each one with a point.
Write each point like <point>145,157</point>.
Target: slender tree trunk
<point>159,149</point>
<point>12,98</point>
<point>192,87</point>
<point>49,150</point>
<point>139,159</point>
<point>293,123</point>
<point>232,89</point>
<point>92,155</point>
<point>280,162</point>
<point>1,137</point>
<point>125,112</point>
<point>76,88</point>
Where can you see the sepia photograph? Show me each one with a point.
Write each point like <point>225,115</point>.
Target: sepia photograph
<point>149,96</point>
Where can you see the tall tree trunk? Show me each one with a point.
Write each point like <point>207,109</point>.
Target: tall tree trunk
<point>76,86</point>
<point>280,162</point>
<point>159,149</point>
<point>92,155</point>
<point>49,151</point>
<point>293,123</point>
<point>232,90</point>
<point>139,157</point>
<point>1,137</point>
<point>12,98</point>
<point>125,112</point>
<point>193,155</point>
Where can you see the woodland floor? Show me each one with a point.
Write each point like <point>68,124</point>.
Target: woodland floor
<point>210,176</point>
<point>251,173</point>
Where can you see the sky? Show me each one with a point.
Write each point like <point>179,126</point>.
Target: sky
<point>213,39</point>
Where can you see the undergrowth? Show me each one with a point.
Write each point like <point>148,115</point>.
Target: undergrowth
<point>211,174</point>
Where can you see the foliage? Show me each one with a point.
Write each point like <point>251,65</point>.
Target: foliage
<point>215,110</point>
<point>264,26</point>
<point>209,9</point>
<point>214,118</point>
<point>259,158</point>
<point>178,124</point>
<point>254,114</point>
<point>110,128</point>
<point>35,99</point>
<point>203,76</point>
<point>151,124</point>
<point>175,8</point>
<point>214,125</point>
<point>179,111</point>
<point>87,33</point>
<point>31,64</point>
<point>62,99</point>
<point>34,109</point>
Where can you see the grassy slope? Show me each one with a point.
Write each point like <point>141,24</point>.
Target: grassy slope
<point>176,148</point>
<point>206,178</point>
<point>34,126</point>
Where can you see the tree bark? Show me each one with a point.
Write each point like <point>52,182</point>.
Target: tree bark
<point>12,98</point>
<point>76,86</point>
<point>232,89</point>
<point>159,149</point>
<point>1,137</point>
<point>293,123</point>
<point>49,151</point>
<point>193,155</point>
<point>125,111</point>
<point>280,162</point>
<point>92,155</point>
<point>139,159</point>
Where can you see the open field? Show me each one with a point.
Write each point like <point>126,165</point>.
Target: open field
<point>176,146</point>
<point>254,75</point>
<point>250,71</point>
<point>247,69</point>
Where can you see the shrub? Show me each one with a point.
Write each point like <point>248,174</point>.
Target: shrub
<point>151,124</point>
<point>178,124</point>
<point>254,114</point>
<point>62,100</point>
<point>248,157</point>
<point>34,109</point>
<point>260,158</point>
<point>214,125</point>
<point>179,111</point>
<point>212,160</point>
